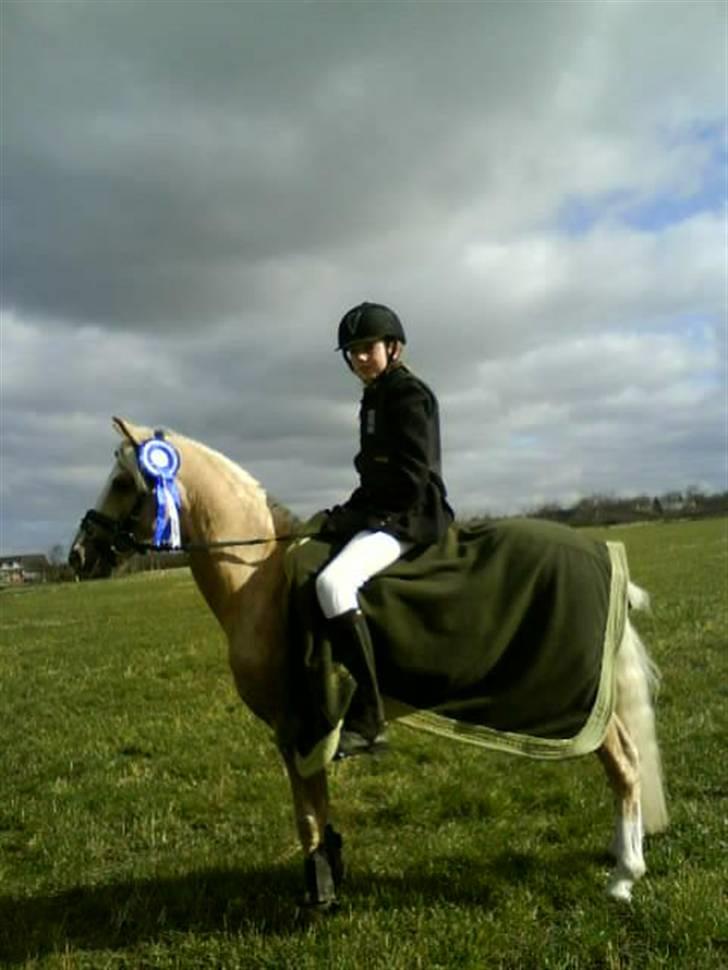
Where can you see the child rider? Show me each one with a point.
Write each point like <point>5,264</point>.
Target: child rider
<point>400,501</point>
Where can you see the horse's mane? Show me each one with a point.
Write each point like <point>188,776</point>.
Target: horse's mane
<point>245,484</point>
<point>244,479</point>
<point>248,493</point>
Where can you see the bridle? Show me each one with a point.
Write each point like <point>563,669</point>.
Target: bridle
<point>118,534</point>
<point>119,538</point>
<point>115,537</point>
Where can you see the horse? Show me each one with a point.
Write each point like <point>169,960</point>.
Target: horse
<point>247,593</point>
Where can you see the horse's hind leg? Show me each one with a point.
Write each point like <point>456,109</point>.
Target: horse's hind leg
<point>322,863</point>
<point>620,759</point>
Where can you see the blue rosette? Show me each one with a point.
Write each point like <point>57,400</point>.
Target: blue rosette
<point>160,461</point>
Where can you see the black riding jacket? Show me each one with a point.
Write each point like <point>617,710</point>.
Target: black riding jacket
<point>399,463</point>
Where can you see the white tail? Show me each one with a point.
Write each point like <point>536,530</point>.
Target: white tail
<point>638,598</point>
<point>637,680</point>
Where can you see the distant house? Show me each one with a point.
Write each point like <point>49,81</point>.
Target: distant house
<point>23,569</point>
<point>10,571</point>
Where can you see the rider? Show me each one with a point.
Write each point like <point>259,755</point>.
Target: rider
<point>400,501</point>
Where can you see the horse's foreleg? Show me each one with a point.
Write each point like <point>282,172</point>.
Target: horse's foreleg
<point>620,759</point>
<point>322,863</point>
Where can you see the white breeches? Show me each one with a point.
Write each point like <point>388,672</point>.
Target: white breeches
<point>363,556</point>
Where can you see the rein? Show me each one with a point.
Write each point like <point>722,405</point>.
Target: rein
<point>221,543</point>
<point>123,539</point>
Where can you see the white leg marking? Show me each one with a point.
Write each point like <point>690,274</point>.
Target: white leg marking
<point>627,849</point>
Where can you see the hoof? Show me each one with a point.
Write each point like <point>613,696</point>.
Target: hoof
<point>620,889</point>
<point>310,908</point>
<point>352,744</point>
<point>310,913</point>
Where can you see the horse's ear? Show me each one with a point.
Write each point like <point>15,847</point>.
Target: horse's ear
<point>125,429</point>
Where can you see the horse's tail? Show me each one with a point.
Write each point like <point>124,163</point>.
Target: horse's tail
<point>637,680</point>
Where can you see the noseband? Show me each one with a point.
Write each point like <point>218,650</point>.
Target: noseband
<point>118,535</point>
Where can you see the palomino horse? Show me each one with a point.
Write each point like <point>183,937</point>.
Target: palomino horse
<point>218,500</point>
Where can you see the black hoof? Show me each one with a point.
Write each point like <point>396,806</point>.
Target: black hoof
<point>310,908</point>
<point>310,914</point>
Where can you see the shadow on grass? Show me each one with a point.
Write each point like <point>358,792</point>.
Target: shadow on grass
<point>120,915</point>
<point>123,914</point>
<point>464,880</point>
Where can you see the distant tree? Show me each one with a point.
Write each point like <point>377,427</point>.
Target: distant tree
<point>58,570</point>
<point>57,555</point>
<point>694,496</point>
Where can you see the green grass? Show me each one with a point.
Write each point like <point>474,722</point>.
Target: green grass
<point>145,819</point>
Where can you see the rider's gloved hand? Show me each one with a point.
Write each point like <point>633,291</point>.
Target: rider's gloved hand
<point>342,521</point>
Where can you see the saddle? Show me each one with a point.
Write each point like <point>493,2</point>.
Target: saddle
<point>503,633</point>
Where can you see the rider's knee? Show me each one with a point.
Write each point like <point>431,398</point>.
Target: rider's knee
<point>335,596</point>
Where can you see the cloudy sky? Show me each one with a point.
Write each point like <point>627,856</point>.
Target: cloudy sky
<point>194,192</point>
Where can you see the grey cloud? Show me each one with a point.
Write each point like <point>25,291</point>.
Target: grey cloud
<point>159,159</point>
<point>194,193</point>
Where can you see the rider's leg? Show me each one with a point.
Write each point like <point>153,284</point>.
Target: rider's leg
<point>352,646</point>
<point>366,554</point>
<point>336,587</point>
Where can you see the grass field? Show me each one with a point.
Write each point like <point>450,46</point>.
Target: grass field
<point>145,819</point>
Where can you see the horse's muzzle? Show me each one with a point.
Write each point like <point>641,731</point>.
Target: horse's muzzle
<point>91,559</point>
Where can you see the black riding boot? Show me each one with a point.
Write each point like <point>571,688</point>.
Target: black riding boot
<point>363,730</point>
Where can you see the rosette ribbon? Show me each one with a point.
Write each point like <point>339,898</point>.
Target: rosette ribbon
<point>160,461</point>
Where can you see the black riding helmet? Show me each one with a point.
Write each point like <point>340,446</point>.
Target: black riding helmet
<point>369,321</point>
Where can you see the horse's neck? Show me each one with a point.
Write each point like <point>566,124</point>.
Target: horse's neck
<point>221,502</point>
